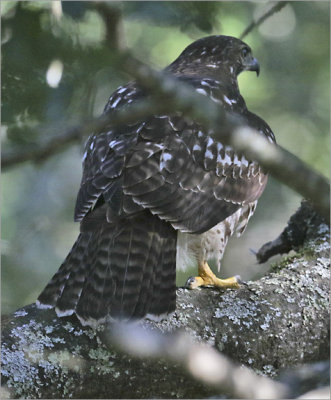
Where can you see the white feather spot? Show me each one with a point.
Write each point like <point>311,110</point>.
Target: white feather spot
<point>211,65</point>
<point>112,143</point>
<point>165,157</point>
<point>196,147</point>
<point>227,159</point>
<point>200,134</point>
<point>227,100</point>
<point>244,161</point>
<point>84,156</point>
<point>202,91</point>
<point>236,160</point>
<point>140,127</point>
<point>63,313</point>
<point>92,145</point>
<point>172,125</point>
<point>121,89</point>
<point>114,103</point>
<point>43,306</point>
<point>129,94</point>
<point>94,323</point>
<point>210,141</point>
<point>209,154</point>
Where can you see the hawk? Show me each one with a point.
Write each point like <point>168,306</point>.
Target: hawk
<point>160,192</point>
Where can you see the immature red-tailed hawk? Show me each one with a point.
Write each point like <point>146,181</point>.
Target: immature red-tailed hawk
<point>157,189</point>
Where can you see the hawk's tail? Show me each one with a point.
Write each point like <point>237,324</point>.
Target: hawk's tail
<point>123,271</point>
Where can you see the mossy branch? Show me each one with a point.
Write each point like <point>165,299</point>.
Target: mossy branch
<point>279,321</point>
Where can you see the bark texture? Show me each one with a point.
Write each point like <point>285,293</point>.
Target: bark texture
<point>279,321</point>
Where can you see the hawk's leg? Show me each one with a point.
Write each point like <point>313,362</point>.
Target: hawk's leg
<point>206,277</point>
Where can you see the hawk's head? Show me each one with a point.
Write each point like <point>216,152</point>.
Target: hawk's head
<point>214,55</point>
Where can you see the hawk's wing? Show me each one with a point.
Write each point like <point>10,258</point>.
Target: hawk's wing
<point>170,166</point>
<point>167,166</point>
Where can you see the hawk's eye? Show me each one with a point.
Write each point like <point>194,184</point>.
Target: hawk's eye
<point>244,51</point>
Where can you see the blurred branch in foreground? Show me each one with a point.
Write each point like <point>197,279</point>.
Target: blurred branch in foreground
<point>43,150</point>
<point>281,164</point>
<point>201,361</point>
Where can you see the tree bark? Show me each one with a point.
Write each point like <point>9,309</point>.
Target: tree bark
<point>278,321</point>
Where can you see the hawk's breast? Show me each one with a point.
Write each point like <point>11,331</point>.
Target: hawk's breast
<point>193,249</point>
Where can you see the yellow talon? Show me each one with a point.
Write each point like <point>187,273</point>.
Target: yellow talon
<point>208,278</point>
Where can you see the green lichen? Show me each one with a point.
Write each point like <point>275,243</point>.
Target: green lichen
<point>283,263</point>
<point>103,362</point>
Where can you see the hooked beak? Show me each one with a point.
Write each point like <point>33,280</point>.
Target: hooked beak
<point>252,65</point>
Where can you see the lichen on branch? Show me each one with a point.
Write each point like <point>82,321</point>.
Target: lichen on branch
<point>278,321</point>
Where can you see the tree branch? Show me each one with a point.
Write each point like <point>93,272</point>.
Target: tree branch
<point>279,321</point>
<point>42,151</point>
<point>276,8</point>
<point>169,94</point>
<point>285,167</point>
<point>111,14</point>
<point>294,235</point>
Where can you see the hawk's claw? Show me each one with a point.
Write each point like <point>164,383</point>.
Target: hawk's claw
<point>207,278</point>
<point>190,283</point>
<point>240,281</point>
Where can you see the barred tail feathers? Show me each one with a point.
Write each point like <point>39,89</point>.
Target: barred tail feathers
<point>121,271</point>
<point>65,277</point>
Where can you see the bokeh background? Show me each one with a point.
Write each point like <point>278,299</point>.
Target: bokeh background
<point>291,94</point>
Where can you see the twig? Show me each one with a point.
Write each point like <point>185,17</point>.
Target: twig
<point>277,7</point>
<point>42,151</point>
<point>57,143</point>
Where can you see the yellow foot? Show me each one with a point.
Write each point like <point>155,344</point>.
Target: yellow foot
<point>208,278</point>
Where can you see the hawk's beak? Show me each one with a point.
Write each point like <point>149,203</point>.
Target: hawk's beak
<point>252,65</point>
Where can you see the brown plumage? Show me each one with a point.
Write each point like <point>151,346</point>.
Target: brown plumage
<point>146,184</point>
